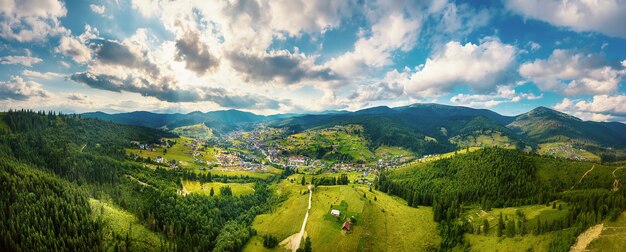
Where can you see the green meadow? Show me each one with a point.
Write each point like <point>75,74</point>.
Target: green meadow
<point>205,188</point>
<point>121,223</point>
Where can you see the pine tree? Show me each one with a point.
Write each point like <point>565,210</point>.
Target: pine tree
<point>500,226</point>
<point>212,192</point>
<point>485,226</point>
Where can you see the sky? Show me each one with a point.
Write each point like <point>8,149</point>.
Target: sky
<point>299,56</point>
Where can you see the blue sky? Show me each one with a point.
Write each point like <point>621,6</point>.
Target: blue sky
<point>280,56</point>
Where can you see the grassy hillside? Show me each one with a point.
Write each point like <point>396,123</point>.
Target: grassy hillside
<point>566,150</point>
<point>381,219</point>
<point>336,143</point>
<point>205,188</point>
<point>198,131</point>
<point>120,224</point>
<point>612,236</point>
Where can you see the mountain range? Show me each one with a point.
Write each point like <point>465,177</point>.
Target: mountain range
<point>423,128</point>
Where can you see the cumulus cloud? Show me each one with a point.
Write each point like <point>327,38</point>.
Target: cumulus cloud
<point>75,49</point>
<point>41,75</point>
<point>574,73</point>
<point>111,52</point>
<point>599,108</point>
<point>390,87</point>
<point>606,16</point>
<point>31,20</point>
<point>481,67</point>
<point>281,66</point>
<point>503,94</point>
<point>454,21</point>
<point>166,91</point>
<point>20,60</point>
<point>195,53</point>
<point>18,89</point>
<point>99,9</point>
<point>387,35</point>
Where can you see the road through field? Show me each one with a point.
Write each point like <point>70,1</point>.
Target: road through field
<point>298,238</point>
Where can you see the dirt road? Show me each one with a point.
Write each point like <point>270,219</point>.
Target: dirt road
<point>293,242</point>
<point>581,178</point>
<point>616,181</point>
<point>586,238</point>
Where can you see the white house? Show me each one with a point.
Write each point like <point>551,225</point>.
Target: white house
<point>335,212</point>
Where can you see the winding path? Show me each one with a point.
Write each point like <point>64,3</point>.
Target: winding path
<point>296,244</point>
<point>581,178</point>
<point>616,181</point>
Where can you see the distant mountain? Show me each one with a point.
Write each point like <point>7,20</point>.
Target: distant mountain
<point>542,125</point>
<point>423,128</point>
<point>220,121</point>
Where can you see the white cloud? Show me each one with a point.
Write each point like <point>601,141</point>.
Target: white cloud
<point>18,89</point>
<point>41,75</point>
<point>21,60</point>
<point>573,74</point>
<point>533,46</point>
<point>600,108</point>
<point>98,9</point>
<point>75,49</point>
<point>503,94</point>
<point>31,20</point>
<point>389,34</point>
<point>604,16</point>
<point>481,67</point>
<point>390,87</point>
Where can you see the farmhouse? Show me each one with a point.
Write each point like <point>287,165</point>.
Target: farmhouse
<point>346,226</point>
<point>159,159</point>
<point>335,212</point>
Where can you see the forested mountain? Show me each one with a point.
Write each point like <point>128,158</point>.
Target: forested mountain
<point>504,178</point>
<point>422,128</point>
<point>51,164</point>
<point>219,121</point>
<point>546,125</point>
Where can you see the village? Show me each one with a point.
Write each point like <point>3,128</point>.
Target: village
<point>257,151</point>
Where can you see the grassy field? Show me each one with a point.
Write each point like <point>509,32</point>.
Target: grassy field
<point>484,140</point>
<point>205,188</point>
<point>343,140</point>
<point>179,152</point>
<point>352,176</point>
<point>518,243</point>
<point>613,236</point>
<point>383,224</point>
<point>411,165</point>
<point>566,150</point>
<point>119,222</point>
<point>391,151</point>
<point>528,242</point>
<point>199,131</point>
<point>183,154</point>
<point>286,218</point>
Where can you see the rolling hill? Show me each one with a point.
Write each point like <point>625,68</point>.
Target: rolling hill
<point>422,128</point>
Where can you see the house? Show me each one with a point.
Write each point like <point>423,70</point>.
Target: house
<point>296,161</point>
<point>346,226</point>
<point>159,159</point>
<point>335,212</point>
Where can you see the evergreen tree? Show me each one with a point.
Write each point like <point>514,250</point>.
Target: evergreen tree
<point>500,225</point>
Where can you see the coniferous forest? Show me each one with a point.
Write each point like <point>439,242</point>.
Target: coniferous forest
<point>53,165</point>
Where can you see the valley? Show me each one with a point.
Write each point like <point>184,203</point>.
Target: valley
<point>335,183</point>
